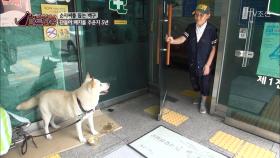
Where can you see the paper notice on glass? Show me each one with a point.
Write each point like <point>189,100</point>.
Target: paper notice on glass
<point>55,32</point>
<point>269,62</point>
<point>243,33</point>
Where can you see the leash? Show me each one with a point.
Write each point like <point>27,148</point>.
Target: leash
<point>27,136</point>
<point>81,107</point>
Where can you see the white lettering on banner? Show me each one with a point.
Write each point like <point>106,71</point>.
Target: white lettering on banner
<point>261,14</point>
<point>263,79</point>
<point>78,15</point>
<point>278,83</point>
<point>257,13</point>
<point>270,81</point>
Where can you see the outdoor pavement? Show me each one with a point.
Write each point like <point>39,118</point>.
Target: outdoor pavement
<point>135,123</point>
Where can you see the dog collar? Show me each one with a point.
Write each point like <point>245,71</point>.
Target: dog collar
<point>81,107</point>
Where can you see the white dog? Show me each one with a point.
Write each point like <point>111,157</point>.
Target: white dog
<point>69,104</point>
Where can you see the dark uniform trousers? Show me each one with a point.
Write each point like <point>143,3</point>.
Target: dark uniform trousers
<point>198,53</point>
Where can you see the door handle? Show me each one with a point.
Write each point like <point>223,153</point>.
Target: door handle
<point>170,12</point>
<point>164,20</point>
<point>158,35</point>
<point>244,54</point>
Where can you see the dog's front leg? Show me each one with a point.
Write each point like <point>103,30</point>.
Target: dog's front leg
<point>91,124</point>
<point>79,132</point>
<point>46,119</point>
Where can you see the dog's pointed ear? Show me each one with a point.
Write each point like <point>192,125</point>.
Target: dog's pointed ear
<point>88,75</point>
<point>91,77</point>
<point>90,84</point>
<point>88,78</point>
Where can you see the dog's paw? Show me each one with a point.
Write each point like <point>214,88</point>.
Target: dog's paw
<point>83,140</point>
<point>48,136</point>
<point>94,132</point>
<point>56,126</point>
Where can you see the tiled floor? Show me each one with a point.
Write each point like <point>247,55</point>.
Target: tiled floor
<point>135,123</point>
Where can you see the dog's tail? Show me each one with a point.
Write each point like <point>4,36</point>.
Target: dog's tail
<point>30,103</point>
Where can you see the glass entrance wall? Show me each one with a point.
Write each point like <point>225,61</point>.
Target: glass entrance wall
<point>29,64</point>
<point>249,83</point>
<point>117,54</point>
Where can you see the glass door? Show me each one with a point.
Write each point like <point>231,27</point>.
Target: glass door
<point>118,52</point>
<point>250,80</point>
<point>164,28</point>
<point>33,60</point>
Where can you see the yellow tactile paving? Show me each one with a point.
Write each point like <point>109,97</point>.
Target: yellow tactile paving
<point>226,141</point>
<point>165,110</point>
<point>249,150</point>
<point>173,117</point>
<point>239,147</point>
<point>168,115</point>
<point>190,93</point>
<point>53,156</point>
<point>193,94</point>
<point>152,110</point>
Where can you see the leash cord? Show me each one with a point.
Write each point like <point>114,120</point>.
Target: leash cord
<point>27,136</point>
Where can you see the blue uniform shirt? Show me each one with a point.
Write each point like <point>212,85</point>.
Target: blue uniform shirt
<point>198,52</point>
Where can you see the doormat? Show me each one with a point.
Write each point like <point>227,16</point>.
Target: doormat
<point>124,151</point>
<point>164,143</point>
<point>168,115</point>
<point>239,147</point>
<point>65,139</point>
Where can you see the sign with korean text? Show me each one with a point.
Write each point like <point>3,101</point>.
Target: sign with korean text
<point>11,10</point>
<point>269,81</point>
<point>270,51</point>
<point>55,32</point>
<point>164,143</point>
<point>81,19</point>
<point>260,13</point>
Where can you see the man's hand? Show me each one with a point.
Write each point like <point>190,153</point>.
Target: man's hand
<point>168,39</point>
<point>206,70</point>
<point>178,40</point>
